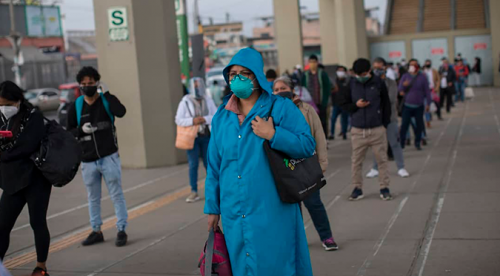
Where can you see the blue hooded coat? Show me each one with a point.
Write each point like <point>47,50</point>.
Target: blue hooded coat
<point>264,236</point>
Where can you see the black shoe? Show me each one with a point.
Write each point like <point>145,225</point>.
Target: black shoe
<point>357,194</point>
<point>38,271</point>
<point>408,142</point>
<point>330,245</point>
<point>419,148</point>
<point>331,137</point>
<point>391,158</point>
<point>121,239</point>
<point>424,142</point>
<point>344,137</point>
<point>385,194</point>
<point>93,238</point>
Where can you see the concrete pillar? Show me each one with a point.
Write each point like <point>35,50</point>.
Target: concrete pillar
<point>288,33</point>
<point>343,31</point>
<point>328,32</point>
<point>495,39</point>
<point>144,73</point>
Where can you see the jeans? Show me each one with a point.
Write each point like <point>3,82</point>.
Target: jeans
<point>460,85</point>
<point>397,151</point>
<point>344,120</point>
<point>408,114</point>
<point>200,149</point>
<point>319,216</point>
<point>110,169</point>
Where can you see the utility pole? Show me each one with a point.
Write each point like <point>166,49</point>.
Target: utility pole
<point>196,18</point>
<point>15,38</point>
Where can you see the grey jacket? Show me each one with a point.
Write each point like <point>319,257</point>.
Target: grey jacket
<point>392,88</point>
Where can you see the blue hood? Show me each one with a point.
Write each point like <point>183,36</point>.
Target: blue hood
<point>252,60</point>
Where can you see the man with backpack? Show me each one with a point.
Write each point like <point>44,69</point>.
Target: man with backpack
<point>91,120</point>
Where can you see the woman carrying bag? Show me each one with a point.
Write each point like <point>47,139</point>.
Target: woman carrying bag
<point>264,235</point>
<point>22,183</point>
<point>194,119</point>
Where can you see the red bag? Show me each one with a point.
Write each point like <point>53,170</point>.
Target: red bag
<point>214,256</point>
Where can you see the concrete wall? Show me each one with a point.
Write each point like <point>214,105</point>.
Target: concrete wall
<point>288,30</point>
<point>494,6</point>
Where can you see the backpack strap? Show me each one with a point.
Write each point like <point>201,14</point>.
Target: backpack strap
<point>79,108</point>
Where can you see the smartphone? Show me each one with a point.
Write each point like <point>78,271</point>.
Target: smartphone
<point>6,134</point>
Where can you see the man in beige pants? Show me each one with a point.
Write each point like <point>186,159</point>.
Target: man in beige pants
<point>367,100</point>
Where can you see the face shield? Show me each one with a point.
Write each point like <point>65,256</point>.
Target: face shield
<point>197,88</point>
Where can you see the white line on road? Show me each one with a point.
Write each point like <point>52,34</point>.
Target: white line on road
<point>147,183</point>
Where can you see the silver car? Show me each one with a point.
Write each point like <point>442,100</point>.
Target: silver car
<point>45,99</point>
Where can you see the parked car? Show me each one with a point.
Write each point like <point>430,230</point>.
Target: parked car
<point>44,99</point>
<point>69,93</point>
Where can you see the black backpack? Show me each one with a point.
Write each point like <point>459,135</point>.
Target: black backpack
<point>59,156</point>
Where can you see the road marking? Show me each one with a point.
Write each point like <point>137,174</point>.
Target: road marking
<point>79,235</point>
<point>376,248</point>
<point>147,246</point>
<point>421,259</point>
<point>147,183</point>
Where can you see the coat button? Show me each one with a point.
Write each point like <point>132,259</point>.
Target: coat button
<point>243,216</point>
<point>248,254</point>
<point>239,176</point>
<point>239,136</point>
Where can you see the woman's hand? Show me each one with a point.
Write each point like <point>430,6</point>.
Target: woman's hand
<point>262,128</point>
<point>213,222</point>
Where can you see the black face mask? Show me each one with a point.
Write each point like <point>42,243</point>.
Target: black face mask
<point>288,95</point>
<point>427,66</point>
<point>88,91</point>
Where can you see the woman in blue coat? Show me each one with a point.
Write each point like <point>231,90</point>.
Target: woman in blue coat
<point>264,236</point>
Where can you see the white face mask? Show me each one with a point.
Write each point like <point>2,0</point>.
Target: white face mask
<point>412,69</point>
<point>8,111</point>
<point>341,74</point>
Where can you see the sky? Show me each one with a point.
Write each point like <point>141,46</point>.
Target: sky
<point>79,14</point>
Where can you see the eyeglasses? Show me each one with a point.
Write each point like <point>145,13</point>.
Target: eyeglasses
<point>242,75</point>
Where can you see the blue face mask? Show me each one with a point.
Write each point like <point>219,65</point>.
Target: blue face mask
<point>242,87</point>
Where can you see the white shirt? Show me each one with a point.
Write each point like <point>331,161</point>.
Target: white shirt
<point>390,73</point>
<point>429,74</point>
<point>186,112</point>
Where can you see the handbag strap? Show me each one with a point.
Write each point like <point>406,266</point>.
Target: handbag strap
<point>209,252</point>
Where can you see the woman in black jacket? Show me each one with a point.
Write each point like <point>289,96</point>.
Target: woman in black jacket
<point>22,183</point>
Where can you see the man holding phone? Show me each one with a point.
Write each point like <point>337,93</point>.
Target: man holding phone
<point>91,120</point>
<point>367,100</point>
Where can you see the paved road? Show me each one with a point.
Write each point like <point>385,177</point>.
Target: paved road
<point>444,219</point>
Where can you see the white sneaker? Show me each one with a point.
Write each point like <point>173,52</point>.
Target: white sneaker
<point>403,173</point>
<point>371,174</point>
<point>193,197</point>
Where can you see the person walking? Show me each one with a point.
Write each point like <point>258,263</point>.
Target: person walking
<point>91,120</point>
<point>462,73</point>
<point>342,83</point>
<point>379,69</point>
<point>367,100</point>
<point>21,181</point>
<point>240,187</point>
<point>197,109</point>
<point>476,70</point>
<point>217,93</point>
<point>283,86</point>
<point>414,88</point>
<point>433,79</point>
<point>318,83</point>
<point>447,88</point>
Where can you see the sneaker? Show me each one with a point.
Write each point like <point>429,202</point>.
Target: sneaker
<point>424,142</point>
<point>372,173</point>
<point>330,245</point>
<point>408,142</point>
<point>403,173</point>
<point>419,148</point>
<point>121,239</point>
<point>38,271</point>
<point>193,197</point>
<point>344,137</point>
<point>331,137</point>
<point>385,194</point>
<point>93,238</point>
<point>357,194</point>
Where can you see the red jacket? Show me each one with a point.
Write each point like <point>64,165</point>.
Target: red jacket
<point>462,71</point>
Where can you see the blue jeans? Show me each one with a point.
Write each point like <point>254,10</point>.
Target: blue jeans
<point>110,169</point>
<point>344,120</point>
<point>319,216</point>
<point>200,150</point>
<point>408,114</point>
<point>460,85</point>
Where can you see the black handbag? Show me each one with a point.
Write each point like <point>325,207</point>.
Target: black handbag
<point>59,156</point>
<point>295,179</point>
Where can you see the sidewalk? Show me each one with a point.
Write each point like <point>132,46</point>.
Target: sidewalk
<point>444,219</point>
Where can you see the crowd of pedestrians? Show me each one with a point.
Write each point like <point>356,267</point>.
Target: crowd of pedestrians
<point>227,128</point>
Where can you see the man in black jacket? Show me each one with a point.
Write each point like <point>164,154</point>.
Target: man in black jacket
<point>367,100</point>
<point>448,78</point>
<point>91,120</point>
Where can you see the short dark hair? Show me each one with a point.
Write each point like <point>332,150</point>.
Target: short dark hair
<point>271,74</point>
<point>342,66</point>
<point>313,57</point>
<point>10,91</point>
<point>428,60</point>
<point>413,59</point>
<point>215,82</point>
<point>361,65</point>
<point>380,60</point>
<point>88,71</point>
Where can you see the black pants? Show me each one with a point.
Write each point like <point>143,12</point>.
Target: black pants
<point>323,117</point>
<point>446,93</point>
<point>319,216</point>
<point>37,197</point>
<point>418,114</point>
